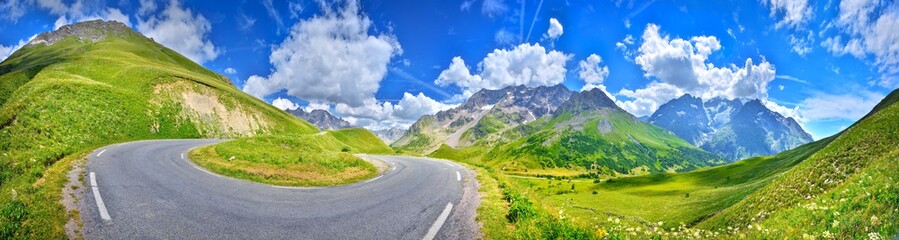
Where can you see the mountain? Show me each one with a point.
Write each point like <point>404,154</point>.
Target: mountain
<point>590,132</point>
<point>390,135</point>
<point>97,83</point>
<point>850,174</point>
<point>735,129</point>
<point>481,117</point>
<point>321,119</point>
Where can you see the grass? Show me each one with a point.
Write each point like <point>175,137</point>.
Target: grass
<point>294,160</point>
<point>60,100</point>
<point>839,187</point>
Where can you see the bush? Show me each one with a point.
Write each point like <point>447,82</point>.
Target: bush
<point>345,149</point>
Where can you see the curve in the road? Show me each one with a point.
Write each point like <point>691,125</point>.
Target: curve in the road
<point>150,190</point>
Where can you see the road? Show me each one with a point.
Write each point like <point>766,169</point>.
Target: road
<point>149,190</point>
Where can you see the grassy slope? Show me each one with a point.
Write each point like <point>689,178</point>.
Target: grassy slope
<point>843,186</point>
<point>295,160</point>
<point>73,96</point>
<point>838,187</point>
<point>631,147</point>
<point>846,188</point>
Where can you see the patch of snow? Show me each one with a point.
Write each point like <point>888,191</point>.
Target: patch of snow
<point>694,106</point>
<point>681,113</point>
<point>487,107</point>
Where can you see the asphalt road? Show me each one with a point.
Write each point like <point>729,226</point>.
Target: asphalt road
<point>150,191</point>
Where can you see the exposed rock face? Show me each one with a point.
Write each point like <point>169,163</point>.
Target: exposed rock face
<point>390,135</point>
<point>321,119</point>
<point>483,114</point>
<point>734,129</point>
<point>94,30</point>
<point>591,100</point>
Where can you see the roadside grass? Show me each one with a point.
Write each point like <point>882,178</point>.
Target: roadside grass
<point>73,96</point>
<point>294,160</point>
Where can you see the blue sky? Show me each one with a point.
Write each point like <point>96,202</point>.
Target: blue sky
<point>383,64</point>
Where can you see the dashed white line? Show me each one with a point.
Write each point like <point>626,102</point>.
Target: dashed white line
<point>432,232</point>
<point>458,176</point>
<point>182,156</point>
<point>100,205</point>
<point>101,152</point>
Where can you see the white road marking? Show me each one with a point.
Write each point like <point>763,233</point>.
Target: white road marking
<point>204,170</point>
<point>458,176</point>
<point>448,164</point>
<point>101,153</point>
<point>182,155</point>
<point>393,168</point>
<point>100,205</point>
<point>376,178</point>
<point>432,232</point>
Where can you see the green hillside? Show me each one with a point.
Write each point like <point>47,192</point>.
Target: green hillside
<point>840,187</point>
<point>606,142</point>
<point>77,94</point>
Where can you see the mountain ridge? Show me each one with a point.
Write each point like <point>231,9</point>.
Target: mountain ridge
<point>735,129</point>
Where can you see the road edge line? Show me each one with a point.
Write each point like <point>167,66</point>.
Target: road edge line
<point>104,214</point>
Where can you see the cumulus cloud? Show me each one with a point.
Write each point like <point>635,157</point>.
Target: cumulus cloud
<point>526,64</point>
<point>794,13</point>
<point>329,58</point>
<point>868,28</point>
<point>285,104</point>
<point>555,30</point>
<point>146,7</point>
<point>383,115</point>
<point>681,66</point>
<point>592,72</point>
<point>230,71</point>
<point>6,51</point>
<point>181,30</point>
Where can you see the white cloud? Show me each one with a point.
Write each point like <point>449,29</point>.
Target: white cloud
<point>273,13</point>
<point>181,30</point>
<point>794,13</point>
<point>230,71</point>
<point>383,115</point>
<point>504,37</point>
<point>285,104</point>
<point>592,72</point>
<point>802,45</point>
<point>147,7</point>
<point>526,64</point>
<point>329,58</point>
<point>493,8</point>
<point>12,10</point>
<point>869,28</point>
<point>555,30</point>
<point>646,100</point>
<point>6,51</point>
<point>851,106</point>
<point>683,65</point>
<point>466,5</point>
<point>414,106</point>
<point>295,9</point>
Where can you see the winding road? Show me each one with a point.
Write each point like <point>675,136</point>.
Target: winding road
<point>149,189</point>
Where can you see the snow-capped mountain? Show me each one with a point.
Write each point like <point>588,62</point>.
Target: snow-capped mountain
<point>734,129</point>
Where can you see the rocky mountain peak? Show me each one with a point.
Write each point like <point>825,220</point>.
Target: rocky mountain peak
<point>94,30</point>
<point>591,100</point>
<point>321,119</point>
